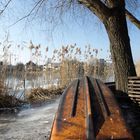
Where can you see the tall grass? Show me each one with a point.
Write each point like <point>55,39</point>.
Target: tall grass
<point>74,62</point>
<point>138,67</point>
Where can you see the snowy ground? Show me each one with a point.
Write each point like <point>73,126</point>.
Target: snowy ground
<point>30,124</point>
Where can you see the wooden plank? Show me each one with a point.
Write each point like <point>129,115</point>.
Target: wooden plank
<point>134,89</point>
<point>134,92</point>
<point>136,96</point>
<point>136,99</point>
<point>135,85</point>
<point>138,81</point>
<point>138,102</point>
<point>134,77</point>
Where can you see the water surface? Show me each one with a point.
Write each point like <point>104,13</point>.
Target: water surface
<point>29,124</point>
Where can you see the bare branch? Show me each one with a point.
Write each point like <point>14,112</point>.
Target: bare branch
<point>36,6</point>
<point>133,19</point>
<point>100,8</point>
<point>1,11</point>
<point>97,7</point>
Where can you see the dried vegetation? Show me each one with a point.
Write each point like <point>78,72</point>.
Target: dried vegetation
<point>138,68</point>
<point>40,94</point>
<point>73,62</point>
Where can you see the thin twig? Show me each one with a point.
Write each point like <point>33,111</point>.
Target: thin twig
<point>31,11</point>
<point>1,12</point>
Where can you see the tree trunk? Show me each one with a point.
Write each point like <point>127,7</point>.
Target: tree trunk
<point>116,27</point>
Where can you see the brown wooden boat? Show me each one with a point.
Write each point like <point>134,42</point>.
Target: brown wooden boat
<point>88,111</point>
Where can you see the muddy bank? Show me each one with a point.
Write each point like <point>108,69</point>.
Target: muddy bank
<point>29,124</point>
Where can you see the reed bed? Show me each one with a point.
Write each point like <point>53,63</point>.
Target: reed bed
<point>71,62</point>
<point>40,94</point>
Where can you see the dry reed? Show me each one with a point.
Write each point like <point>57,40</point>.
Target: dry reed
<point>138,68</point>
<point>40,94</point>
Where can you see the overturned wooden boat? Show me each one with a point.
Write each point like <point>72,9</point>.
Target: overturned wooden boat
<point>88,111</point>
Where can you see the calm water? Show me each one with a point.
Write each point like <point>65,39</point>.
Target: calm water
<point>20,85</point>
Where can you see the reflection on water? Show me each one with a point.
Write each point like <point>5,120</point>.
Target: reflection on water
<point>20,83</point>
<point>33,80</point>
<point>30,124</point>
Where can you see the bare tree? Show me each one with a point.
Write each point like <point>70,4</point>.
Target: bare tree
<point>112,13</point>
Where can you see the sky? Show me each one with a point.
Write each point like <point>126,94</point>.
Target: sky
<point>82,29</point>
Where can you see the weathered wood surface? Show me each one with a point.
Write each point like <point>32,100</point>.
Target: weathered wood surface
<point>134,89</point>
<point>89,111</point>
